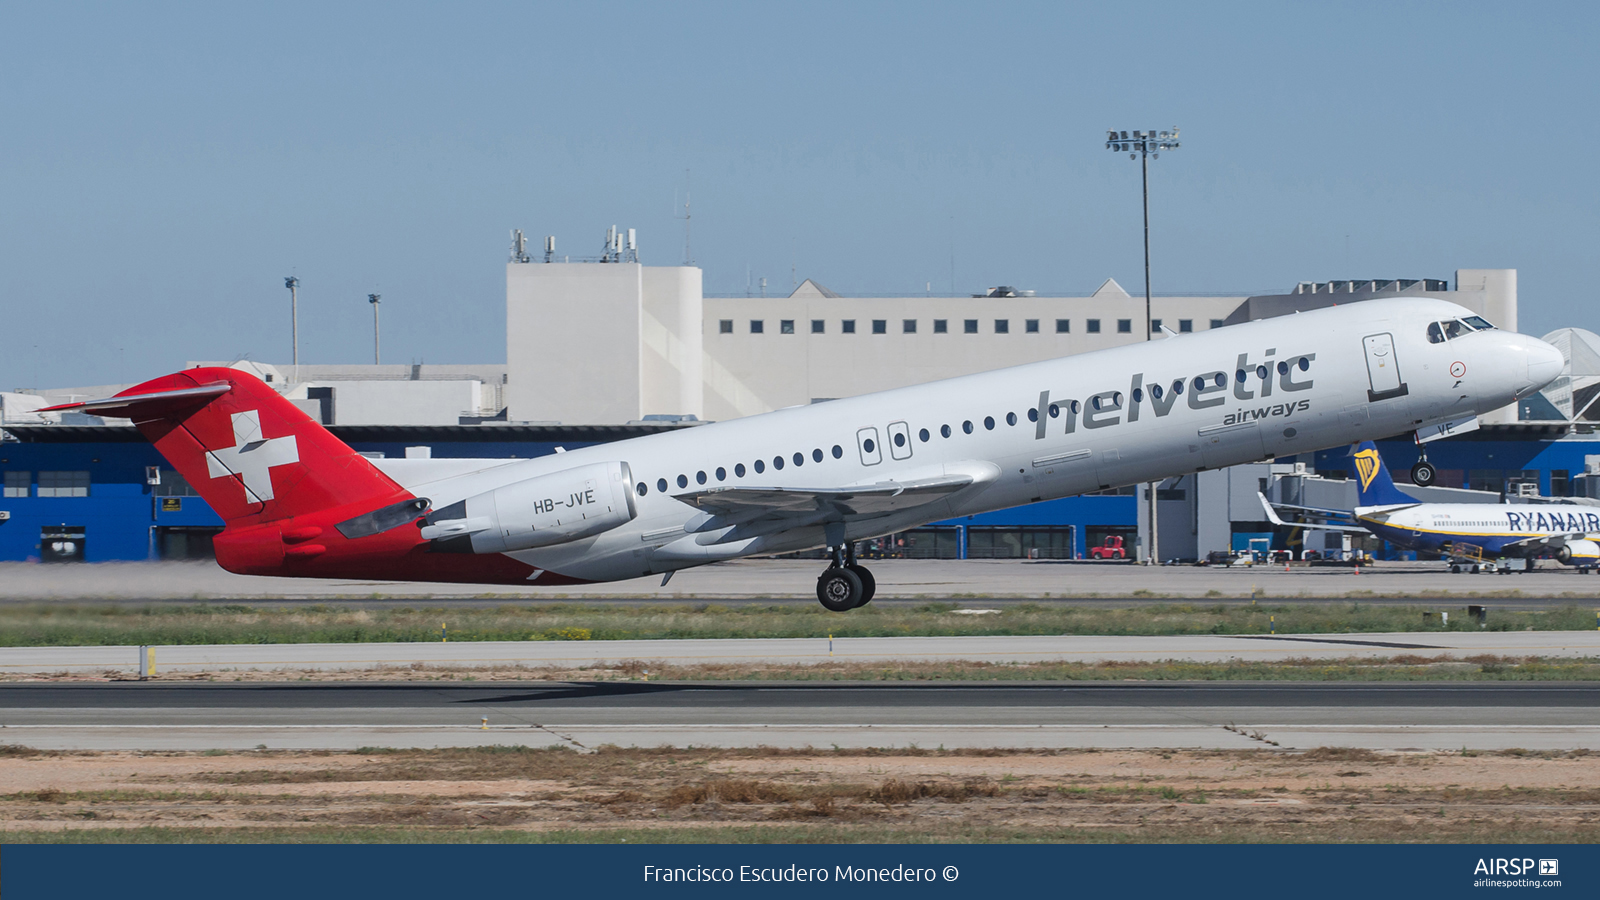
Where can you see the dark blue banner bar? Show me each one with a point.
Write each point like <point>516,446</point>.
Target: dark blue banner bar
<point>300,872</point>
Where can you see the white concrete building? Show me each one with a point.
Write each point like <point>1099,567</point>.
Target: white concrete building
<point>602,343</point>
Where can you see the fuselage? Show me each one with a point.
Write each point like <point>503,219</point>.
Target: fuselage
<point>1497,529</point>
<point>1037,432</point>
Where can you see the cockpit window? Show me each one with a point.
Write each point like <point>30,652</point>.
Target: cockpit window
<point>1454,329</point>
<point>1478,323</point>
<point>1435,333</point>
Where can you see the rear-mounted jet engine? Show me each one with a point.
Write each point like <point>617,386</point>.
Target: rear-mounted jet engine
<point>551,509</point>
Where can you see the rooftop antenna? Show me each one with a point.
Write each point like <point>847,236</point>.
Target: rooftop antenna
<point>633,246</point>
<point>519,247</point>
<point>611,237</point>
<point>688,255</point>
<point>549,248</point>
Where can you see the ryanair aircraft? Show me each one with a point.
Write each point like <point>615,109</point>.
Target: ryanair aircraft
<point>1473,534</point>
<point>297,501</point>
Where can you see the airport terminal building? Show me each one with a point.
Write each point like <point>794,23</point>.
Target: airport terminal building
<point>609,349</point>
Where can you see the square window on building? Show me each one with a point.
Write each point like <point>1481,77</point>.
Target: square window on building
<point>848,326</point>
<point>757,326</point>
<point>908,326</point>
<point>1031,326</point>
<point>1092,326</point>
<point>1216,323</point>
<point>1063,326</point>
<point>17,484</point>
<point>817,327</point>
<point>1124,326</point>
<point>63,484</point>
<point>1002,326</point>
<point>880,326</point>
<point>970,326</point>
<point>1185,326</point>
<point>941,326</point>
<point>1155,326</point>
<point>725,326</point>
<point>786,326</point>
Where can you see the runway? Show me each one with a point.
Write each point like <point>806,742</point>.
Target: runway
<point>784,580</point>
<point>224,658</point>
<point>202,716</point>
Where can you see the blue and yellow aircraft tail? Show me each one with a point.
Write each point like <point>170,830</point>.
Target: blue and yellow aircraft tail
<point>1374,487</point>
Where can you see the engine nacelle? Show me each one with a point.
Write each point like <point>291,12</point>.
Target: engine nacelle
<point>1579,553</point>
<point>551,509</point>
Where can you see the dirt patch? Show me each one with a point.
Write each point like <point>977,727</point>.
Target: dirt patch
<point>1330,794</point>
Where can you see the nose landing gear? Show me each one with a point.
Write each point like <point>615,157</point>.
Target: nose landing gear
<point>1423,473</point>
<point>845,585</point>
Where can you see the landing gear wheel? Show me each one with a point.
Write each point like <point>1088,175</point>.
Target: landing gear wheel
<point>1423,473</point>
<point>839,590</point>
<point>869,585</point>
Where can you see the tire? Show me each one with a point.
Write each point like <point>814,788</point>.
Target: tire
<point>1423,473</point>
<point>869,585</point>
<point>1474,570</point>
<point>1455,570</point>
<point>839,590</point>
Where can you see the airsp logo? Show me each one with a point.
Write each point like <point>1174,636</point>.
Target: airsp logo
<point>1367,465</point>
<point>252,456</point>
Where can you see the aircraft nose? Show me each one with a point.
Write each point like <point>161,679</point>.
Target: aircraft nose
<point>1544,363</point>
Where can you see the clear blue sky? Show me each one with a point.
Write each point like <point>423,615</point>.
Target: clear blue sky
<point>163,167</point>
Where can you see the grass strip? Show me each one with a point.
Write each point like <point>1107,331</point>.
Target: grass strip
<point>76,624</point>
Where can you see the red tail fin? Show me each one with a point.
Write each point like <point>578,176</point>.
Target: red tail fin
<point>254,456</point>
<point>297,500</point>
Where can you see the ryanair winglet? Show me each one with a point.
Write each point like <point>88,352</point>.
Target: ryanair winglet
<point>1374,487</point>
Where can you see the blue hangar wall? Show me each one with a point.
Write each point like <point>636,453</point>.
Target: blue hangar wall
<point>98,477</point>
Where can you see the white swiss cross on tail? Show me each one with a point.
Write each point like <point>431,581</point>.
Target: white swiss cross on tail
<point>252,456</point>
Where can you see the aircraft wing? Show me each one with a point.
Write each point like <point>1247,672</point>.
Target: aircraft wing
<point>1272,516</point>
<point>733,505</point>
<point>1545,542</point>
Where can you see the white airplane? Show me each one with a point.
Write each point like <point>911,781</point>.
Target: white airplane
<point>297,501</point>
<point>1473,534</point>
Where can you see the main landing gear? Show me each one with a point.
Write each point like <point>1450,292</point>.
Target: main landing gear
<point>845,585</point>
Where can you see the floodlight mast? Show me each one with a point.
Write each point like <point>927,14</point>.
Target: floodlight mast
<point>293,284</point>
<point>374,299</point>
<point>1143,145</point>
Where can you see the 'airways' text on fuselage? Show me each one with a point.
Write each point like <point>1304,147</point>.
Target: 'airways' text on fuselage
<point>1205,391</point>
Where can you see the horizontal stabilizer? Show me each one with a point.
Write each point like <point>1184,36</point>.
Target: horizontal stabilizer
<point>146,406</point>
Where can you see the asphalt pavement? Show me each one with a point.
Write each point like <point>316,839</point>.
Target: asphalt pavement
<point>156,716</point>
